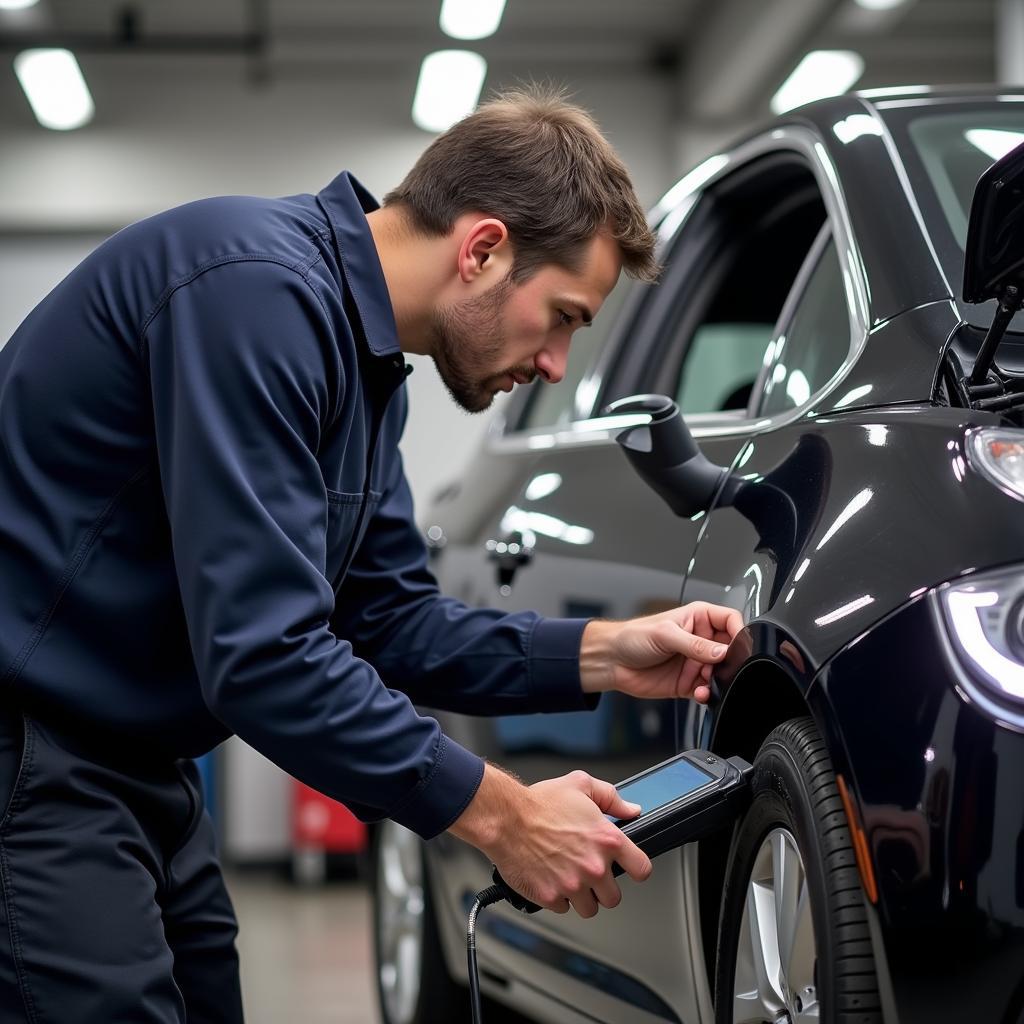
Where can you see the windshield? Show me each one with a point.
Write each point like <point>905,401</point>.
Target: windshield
<point>945,154</point>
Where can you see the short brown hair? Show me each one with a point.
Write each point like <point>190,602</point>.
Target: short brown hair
<point>540,165</point>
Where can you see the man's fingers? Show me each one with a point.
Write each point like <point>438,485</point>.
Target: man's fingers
<point>725,620</point>
<point>606,796</point>
<point>680,641</point>
<point>688,675</point>
<point>585,903</point>
<point>633,861</point>
<point>607,892</point>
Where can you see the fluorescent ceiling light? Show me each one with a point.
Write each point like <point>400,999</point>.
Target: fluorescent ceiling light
<point>880,5</point>
<point>994,142</point>
<point>821,73</point>
<point>55,88</point>
<point>471,19</point>
<point>16,5</point>
<point>449,86</point>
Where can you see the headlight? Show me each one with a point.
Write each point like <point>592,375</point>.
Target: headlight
<point>999,454</point>
<point>985,620</point>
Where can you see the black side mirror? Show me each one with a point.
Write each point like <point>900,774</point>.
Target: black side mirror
<point>666,456</point>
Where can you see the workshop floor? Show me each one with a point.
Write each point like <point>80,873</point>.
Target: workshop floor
<point>305,952</point>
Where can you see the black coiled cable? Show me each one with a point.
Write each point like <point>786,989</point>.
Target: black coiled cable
<point>484,898</point>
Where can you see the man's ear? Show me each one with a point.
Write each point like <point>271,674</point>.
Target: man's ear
<point>485,249</point>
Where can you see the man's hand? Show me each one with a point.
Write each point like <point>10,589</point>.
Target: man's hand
<point>670,654</point>
<point>551,841</point>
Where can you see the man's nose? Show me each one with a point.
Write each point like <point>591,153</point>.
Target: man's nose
<point>551,361</point>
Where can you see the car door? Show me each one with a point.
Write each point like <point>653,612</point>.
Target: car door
<point>562,525</point>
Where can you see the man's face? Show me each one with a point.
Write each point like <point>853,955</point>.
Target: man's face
<point>512,333</point>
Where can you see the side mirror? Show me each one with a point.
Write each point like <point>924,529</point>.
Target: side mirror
<point>665,455</point>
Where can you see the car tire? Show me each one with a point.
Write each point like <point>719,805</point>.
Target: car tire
<point>793,940</point>
<point>413,983</point>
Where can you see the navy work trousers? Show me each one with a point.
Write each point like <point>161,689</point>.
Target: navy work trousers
<point>113,909</point>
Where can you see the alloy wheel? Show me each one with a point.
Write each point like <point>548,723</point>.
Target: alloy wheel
<point>401,908</point>
<point>776,957</point>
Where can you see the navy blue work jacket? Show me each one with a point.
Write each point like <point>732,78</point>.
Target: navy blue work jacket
<point>205,526</point>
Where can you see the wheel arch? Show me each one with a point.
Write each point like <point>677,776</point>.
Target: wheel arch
<point>761,696</point>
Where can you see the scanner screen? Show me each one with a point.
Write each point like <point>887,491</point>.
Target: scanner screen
<point>665,785</point>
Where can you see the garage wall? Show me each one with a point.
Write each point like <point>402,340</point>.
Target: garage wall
<point>200,128</point>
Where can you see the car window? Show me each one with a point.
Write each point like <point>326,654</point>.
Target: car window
<point>814,343</point>
<point>727,280</point>
<point>553,405</point>
<point>721,366</point>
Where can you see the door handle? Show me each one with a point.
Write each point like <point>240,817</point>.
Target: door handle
<point>509,555</point>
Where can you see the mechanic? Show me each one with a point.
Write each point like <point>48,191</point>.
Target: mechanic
<point>206,530</point>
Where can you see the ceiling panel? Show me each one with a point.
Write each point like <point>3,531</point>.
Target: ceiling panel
<point>938,41</point>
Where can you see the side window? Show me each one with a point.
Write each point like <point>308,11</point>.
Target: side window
<point>552,405</point>
<point>735,273</point>
<point>815,341</point>
<point>721,366</point>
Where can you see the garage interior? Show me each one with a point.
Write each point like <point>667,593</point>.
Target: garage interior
<point>202,98</point>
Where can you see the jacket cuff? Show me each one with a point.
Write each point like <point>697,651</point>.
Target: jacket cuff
<point>554,666</point>
<point>444,794</point>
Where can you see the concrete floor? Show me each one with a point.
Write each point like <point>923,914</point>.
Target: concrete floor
<point>305,951</point>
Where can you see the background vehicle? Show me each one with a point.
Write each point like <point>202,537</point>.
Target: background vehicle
<point>809,326</point>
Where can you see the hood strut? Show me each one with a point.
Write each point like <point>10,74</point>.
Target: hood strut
<point>982,389</point>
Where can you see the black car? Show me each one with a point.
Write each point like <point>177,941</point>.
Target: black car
<point>839,331</point>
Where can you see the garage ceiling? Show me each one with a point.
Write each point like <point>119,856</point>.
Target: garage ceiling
<point>722,58</point>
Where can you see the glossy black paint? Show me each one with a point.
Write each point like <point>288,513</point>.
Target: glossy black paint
<point>940,794</point>
<point>837,525</point>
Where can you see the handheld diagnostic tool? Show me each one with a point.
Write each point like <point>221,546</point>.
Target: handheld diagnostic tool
<point>688,797</point>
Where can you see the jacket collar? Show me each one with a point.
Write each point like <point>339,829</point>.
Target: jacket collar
<point>346,203</point>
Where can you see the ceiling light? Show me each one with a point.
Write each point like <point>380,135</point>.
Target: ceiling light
<point>994,142</point>
<point>471,19</point>
<point>821,73</point>
<point>55,88</point>
<point>16,5</point>
<point>448,88</point>
<point>879,5</point>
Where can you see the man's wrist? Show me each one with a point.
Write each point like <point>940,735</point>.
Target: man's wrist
<point>494,809</point>
<point>597,667</point>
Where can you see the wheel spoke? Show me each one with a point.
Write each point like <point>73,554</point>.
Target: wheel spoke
<point>746,1006</point>
<point>768,940</point>
<point>799,965</point>
<point>787,880</point>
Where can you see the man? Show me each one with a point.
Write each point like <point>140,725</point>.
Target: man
<point>205,528</point>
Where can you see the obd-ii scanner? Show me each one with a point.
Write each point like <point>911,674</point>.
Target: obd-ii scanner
<point>686,798</point>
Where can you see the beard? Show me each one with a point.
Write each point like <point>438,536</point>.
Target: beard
<point>468,341</point>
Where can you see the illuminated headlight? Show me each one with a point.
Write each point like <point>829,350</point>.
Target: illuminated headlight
<point>986,624</point>
<point>999,454</point>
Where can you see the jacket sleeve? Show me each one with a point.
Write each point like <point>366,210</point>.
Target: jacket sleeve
<point>434,648</point>
<point>245,375</point>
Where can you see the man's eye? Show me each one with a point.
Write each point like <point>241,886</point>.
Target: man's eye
<point>564,319</point>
